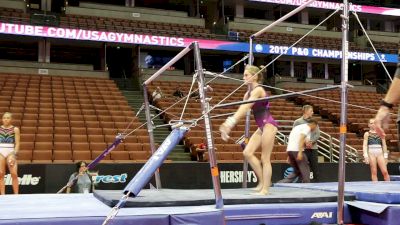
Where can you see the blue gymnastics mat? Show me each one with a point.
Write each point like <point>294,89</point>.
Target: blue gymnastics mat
<point>380,192</point>
<point>78,209</point>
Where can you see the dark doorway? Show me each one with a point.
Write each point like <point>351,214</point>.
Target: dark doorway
<point>119,61</point>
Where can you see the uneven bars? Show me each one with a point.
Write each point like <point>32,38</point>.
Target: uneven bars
<point>169,64</point>
<point>296,10</point>
<point>276,96</point>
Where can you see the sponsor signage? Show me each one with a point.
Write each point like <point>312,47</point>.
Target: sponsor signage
<point>322,215</point>
<point>26,179</point>
<point>324,53</point>
<point>336,5</point>
<point>129,38</point>
<point>107,179</point>
<point>236,177</point>
<point>49,178</point>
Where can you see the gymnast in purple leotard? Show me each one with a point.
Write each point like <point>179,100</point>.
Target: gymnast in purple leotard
<point>264,136</point>
<point>261,113</point>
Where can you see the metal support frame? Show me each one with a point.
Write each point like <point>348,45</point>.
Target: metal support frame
<point>207,124</point>
<point>250,62</point>
<point>343,111</point>
<point>150,129</point>
<point>205,108</point>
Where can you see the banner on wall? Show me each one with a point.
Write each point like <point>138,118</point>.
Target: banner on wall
<point>337,5</point>
<point>49,178</point>
<point>142,39</point>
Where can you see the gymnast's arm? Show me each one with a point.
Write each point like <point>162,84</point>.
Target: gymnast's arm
<point>393,94</point>
<point>301,147</point>
<point>231,122</point>
<point>365,147</point>
<point>392,97</point>
<point>17,140</point>
<point>384,148</point>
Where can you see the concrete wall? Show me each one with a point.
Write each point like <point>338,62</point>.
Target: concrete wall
<point>186,78</point>
<point>133,9</point>
<point>384,36</point>
<point>256,25</point>
<point>21,67</point>
<point>288,83</point>
<point>13,4</point>
<point>109,13</point>
<point>62,66</point>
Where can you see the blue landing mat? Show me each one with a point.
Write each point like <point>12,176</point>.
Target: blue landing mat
<point>395,178</point>
<point>284,214</point>
<point>381,192</point>
<point>78,209</point>
<point>193,197</point>
<point>374,213</point>
<point>81,209</point>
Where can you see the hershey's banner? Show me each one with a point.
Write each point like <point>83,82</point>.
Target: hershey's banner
<point>36,178</point>
<point>143,39</point>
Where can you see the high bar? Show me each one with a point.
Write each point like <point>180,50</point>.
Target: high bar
<point>283,18</point>
<point>169,64</point>
<point>277,96</point>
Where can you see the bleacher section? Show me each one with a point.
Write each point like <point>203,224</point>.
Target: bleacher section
<point>18,16</point>
<point>120,19</point>
<point>133,26</point>
<point>66,119</point>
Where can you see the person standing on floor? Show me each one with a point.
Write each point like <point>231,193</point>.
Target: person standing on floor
<point>9,147</point>
<point>295,150</point>
<point>311,150</point>
<point>264,136</point>
<point>375,152</point>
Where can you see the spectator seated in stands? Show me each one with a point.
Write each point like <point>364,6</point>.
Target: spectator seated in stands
<point>197,152</point>
<point>84,183</point>
<point>178,92</point>
<point>157,94</point>
<point>201,149</point>
<point>195,95</point>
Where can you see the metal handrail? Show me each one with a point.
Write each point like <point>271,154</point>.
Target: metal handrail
<point>281,137</point>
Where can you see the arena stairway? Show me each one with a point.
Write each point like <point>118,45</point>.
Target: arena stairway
<point>135,100</point>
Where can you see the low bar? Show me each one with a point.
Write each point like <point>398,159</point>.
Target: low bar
<point>169,64</point>
<point>277,96</point>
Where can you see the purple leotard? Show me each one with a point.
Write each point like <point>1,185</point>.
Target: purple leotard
<point>262,115</point>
